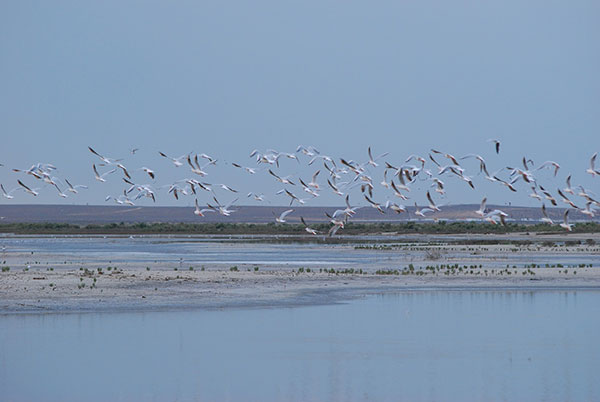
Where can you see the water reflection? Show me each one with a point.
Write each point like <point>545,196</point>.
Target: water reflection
<point>421,345</point>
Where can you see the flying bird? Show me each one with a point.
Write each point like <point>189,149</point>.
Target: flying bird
<point>281,218</point>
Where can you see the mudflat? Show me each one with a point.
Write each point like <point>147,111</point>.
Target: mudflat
<point>95,282</point>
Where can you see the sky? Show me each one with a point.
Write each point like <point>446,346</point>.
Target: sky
<point>225,78</point>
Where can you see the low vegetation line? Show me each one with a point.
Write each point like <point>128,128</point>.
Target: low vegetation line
<point>441,227</point>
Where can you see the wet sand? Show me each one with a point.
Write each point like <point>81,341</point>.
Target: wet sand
<point>135,288</point>
<point>36,283</point>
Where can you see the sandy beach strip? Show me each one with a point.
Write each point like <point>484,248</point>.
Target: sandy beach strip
<point>134,288</point>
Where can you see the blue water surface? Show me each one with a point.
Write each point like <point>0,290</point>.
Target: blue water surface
<point>413,346</point>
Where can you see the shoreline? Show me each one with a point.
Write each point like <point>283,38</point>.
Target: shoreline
<point>52,274</point>
<point>137,290</point>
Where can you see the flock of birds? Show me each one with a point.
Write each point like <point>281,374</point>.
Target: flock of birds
<point>338,175</point>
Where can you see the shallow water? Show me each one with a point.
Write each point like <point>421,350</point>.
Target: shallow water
<point>425,345</point>
<point>55,251</point>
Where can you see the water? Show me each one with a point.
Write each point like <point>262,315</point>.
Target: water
<point>426,345</point>
<point>55,251</point>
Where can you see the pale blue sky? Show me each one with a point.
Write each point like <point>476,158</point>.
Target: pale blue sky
<point>225,78</point>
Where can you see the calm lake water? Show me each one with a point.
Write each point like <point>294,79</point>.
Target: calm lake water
<point>425,345</point>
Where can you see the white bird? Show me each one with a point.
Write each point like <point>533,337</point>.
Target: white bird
<point>323,157</point>
<point>482,166</point>
<point>197,169</point>
<point>292,196</point>
<point>439,186</point>
<point>247,169</point>
<point>592,169</point>
<point>467,179</point>
<point>307,189</point>
<point>568,189</point>
<point>150,172</point>
<point>99,177</point>
<point>566,200</point>
<point>495,215</point>
<point>555,165</point>
<point>222,210</point>
<point>121,200</point>
<point>545,217</point>
<point>176,161</point>
<point>60,193</point>
<point>108,161</point>
<point>307,228</point>
<point>565,224</point>
<point>334,188</point>
<point>384,182</point>
<point>583,193</point>
<point>309,151</point>
<point>548,196</point>
<point>8,195</point>
<point>283,180</point>
<point>587,210</point>
<point>226,187</point>
<point>481,210</point>
<point>337,225</point>
<point>290,156</point>
<point>534,194</point>
<point>257,197</point>
<point>349,210</point>
<point>449,156</point>
<point>395,207</point>
<point>421,212</point>
<point>200,212</point>
<point>372,161</point>
<point>27,189</point>
<point>397,192</point>
<point>416,157</point>
<point>73,188</point>
<point>281,218</point>
<point>210,159</point>
<point>313,183</point>
<point>374,204</point>
<point>125,172</point>
<point>431,203</point>
<point>505,183</point>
